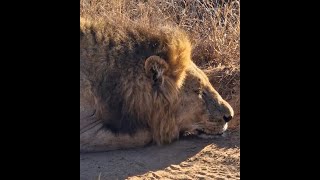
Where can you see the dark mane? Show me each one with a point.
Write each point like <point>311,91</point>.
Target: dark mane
<point>112,57</point>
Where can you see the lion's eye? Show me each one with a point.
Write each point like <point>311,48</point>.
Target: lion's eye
<point>204,93</point>
<point>198,91</point>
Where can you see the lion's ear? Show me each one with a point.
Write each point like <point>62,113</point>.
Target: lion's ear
<point>155,68</point>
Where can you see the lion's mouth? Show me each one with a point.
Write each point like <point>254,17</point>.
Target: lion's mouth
<point>205,134</point>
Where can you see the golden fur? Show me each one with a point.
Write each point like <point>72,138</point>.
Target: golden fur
<point>137,85</point>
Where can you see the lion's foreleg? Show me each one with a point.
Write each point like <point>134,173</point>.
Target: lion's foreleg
<point>99,139</point>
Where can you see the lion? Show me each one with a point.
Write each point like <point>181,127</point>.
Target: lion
<point>139,85</point>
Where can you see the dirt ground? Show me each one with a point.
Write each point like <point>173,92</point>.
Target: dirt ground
<point>188,158</point>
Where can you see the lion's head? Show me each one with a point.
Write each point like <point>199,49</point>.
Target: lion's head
<point>195,108</point>
<point>202,110</point>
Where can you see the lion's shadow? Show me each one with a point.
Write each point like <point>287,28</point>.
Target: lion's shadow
<point>125,163</point>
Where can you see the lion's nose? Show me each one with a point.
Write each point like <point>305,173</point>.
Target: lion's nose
<point>227,118</point>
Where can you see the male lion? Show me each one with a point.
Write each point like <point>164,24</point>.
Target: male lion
<point>139,85</point>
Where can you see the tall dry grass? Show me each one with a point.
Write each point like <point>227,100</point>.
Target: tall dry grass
<point>213,25</point>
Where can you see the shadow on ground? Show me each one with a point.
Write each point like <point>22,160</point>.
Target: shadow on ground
<point>121,164</point>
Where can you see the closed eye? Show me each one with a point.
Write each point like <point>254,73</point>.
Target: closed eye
<point>204,93</point>
<point>198,91</point>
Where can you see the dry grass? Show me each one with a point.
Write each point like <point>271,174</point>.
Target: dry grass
<point>213,25</point>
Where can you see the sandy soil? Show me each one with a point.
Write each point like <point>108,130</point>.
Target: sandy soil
<point>188,158</point>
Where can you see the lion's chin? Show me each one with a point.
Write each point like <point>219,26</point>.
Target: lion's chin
<point>204,135</point>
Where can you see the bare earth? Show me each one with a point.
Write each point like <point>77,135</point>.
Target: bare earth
<point>188,158</point>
